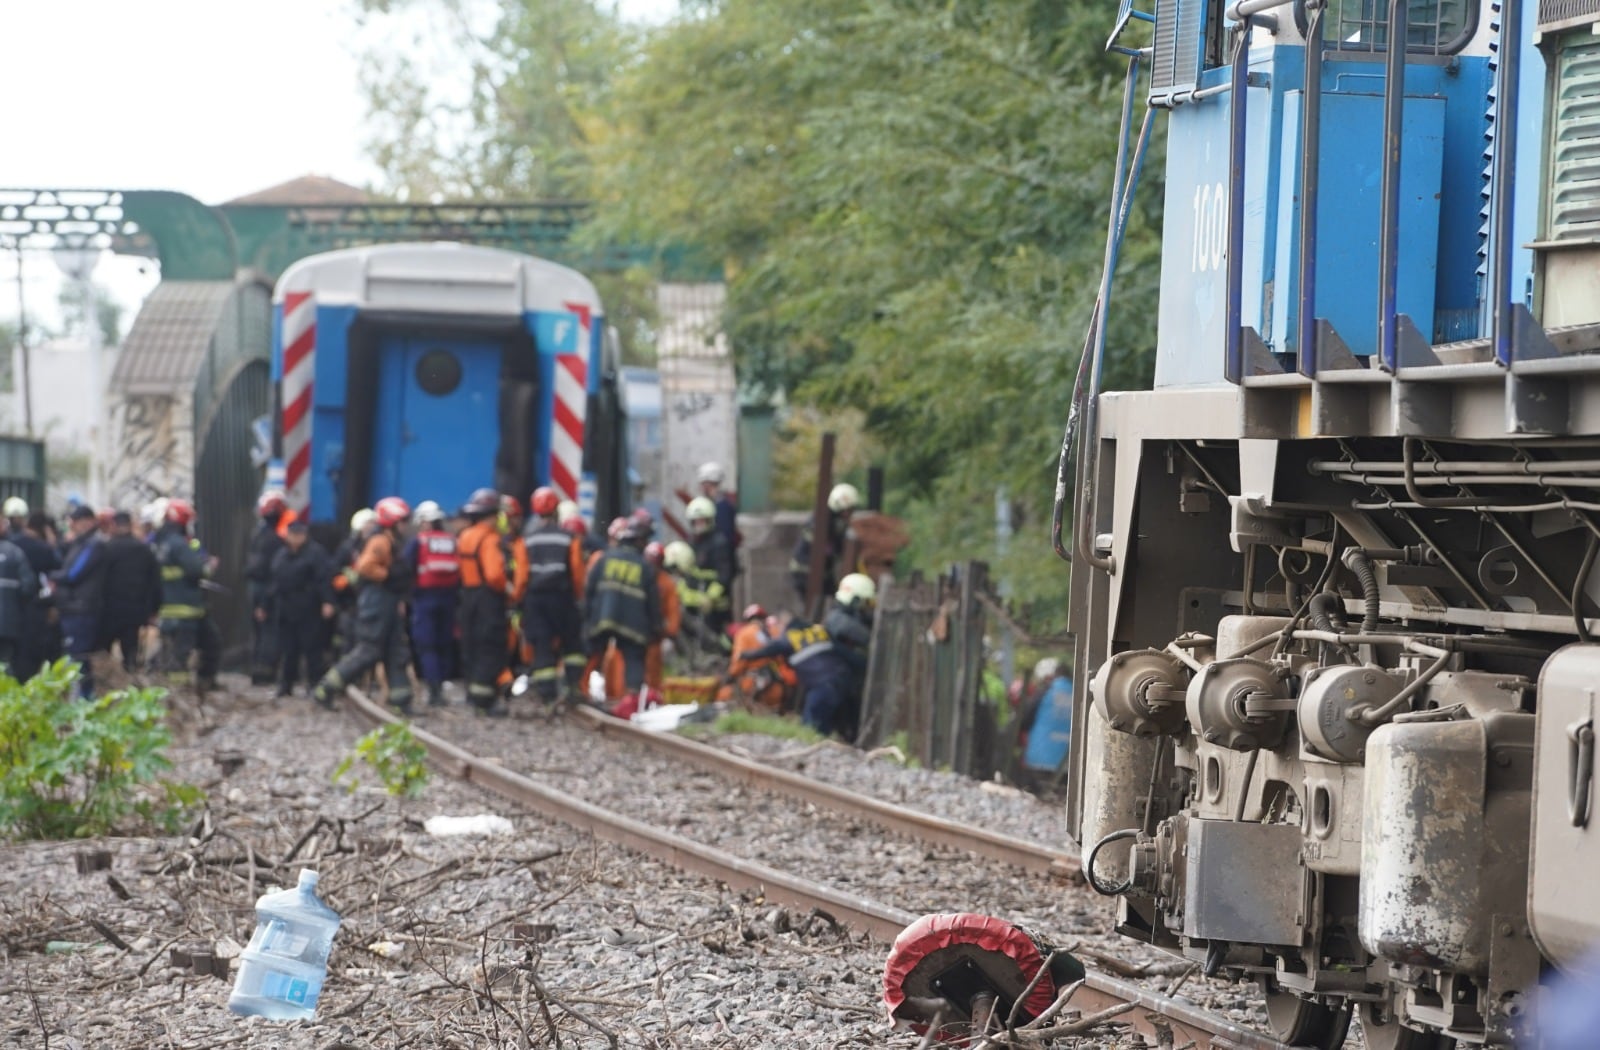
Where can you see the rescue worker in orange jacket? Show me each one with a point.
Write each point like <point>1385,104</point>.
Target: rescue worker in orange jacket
<point>671,619</point>
<point>518,653</point>
<point>551,618</point>
<point>766,682</point>
<point>382,582</point>
<point>484,589</point>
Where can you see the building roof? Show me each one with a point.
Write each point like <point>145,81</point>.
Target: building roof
<point>306,190</point>
<point>169,338</point>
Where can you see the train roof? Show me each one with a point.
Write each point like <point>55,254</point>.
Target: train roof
<point>438,277</point>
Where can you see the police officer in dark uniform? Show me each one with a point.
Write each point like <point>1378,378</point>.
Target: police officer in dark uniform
<point>185,626</point>
<point>41,636</point>
<point>265,543</point>
<point>19,586</point>
<point>551,619</point>
<point>383,585</point>
<point>624,609</point>
<point>300,596</point>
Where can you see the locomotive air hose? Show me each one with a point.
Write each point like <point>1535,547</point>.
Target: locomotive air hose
<point>1357,561</point>
<point>1094,851</point>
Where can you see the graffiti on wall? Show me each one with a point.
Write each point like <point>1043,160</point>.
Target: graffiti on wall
<point>151,448</point>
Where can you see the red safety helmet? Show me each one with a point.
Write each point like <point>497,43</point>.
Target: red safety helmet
<point>271,504</point>
<point>180,511</point>
<point>655,553</point>
<point>511,507</point>
<point>544,501</point>
<point>754,611</point>
<point>616,529</point>
<point>482,501</point>
<point>575,526</point>
<point>391,511</point>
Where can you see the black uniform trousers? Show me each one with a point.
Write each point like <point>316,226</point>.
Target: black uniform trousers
<point>553,625</point>
<point>483,642</point>
<point>380,636</point>
<point>302,639</point>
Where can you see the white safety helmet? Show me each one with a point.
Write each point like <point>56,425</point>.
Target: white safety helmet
<point>709,473</point>
<point>16,507</point>
<point>679,555</point>
<point>857,589</point>
<point>843,498</point>
<point>361,519</point>
<point>1045,669</point>
<point>429,511</point>
<point>700,509</point>
<point>566,510</point>
<point>154,513</point>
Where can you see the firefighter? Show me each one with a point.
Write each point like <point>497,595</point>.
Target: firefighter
<point>382,583</point>
<point>765,682</point>
<point>363,523</point>
<point>849,624</point>
<point>624,610</point>
<point>265,543</point>
<point>552,620</point>
<point>713,557</point>
<point>655,676</point>
<point>302,600</point>
<point>433,607</point>
<point>484,589</point>
<point>16,513</point>
<point>827,672</point>
<point>842,503</point>
<point>710,477</point>
<point>185,627</point>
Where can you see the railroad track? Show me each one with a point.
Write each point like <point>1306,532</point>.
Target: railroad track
<point>1157,1016</point>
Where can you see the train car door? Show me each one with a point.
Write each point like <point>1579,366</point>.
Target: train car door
<point>436,424</point>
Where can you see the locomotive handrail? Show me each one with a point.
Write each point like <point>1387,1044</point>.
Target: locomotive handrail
<point>1394,101</point>
<point>1233,326</point>
<point>1310,181</point>
<point>1504,180</point>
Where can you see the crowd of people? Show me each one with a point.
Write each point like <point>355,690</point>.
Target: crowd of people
<point>515,600</point>
<point>97,582</point>
<point>506,598</point>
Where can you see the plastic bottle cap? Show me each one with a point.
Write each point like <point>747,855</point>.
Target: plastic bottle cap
<point>308,879</point>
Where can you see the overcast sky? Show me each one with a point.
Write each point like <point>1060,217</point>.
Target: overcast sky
<point>214,98</point>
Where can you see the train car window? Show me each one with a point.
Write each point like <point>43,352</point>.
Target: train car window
<point>438,372</point>
<point>1433,27</point>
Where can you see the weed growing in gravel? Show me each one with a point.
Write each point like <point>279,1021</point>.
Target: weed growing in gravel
<point>767,725</point>
<point>75,768</point>
<point>395,755</point>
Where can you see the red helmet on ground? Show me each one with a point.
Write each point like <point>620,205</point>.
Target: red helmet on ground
<point>754,611</point>
<point>481,502</point>
<point>180,511</point>
<point>391,511</point>
<point>655,553</point>
<point>271,504</point>
<point>544,501</point>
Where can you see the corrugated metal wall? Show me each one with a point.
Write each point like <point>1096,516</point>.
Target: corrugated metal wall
<point>22,470</point>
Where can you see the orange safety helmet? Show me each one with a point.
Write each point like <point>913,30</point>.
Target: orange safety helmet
<point>180,512</point>
<point>391,511</point>
<point>544,501</point>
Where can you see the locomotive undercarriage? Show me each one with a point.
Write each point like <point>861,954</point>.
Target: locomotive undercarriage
<point>1307,753</point>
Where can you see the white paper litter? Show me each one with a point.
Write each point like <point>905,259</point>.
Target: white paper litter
<point>665,718</point>
<point>483,824</point>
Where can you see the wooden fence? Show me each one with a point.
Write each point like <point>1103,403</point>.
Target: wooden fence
<point>925,673</point>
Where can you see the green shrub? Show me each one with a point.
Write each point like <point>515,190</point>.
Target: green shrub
<point>73,768</point>
<point>395,755</point>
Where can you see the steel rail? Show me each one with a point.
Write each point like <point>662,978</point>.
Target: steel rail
<point>1154,1015</point>
<point>924,827</point>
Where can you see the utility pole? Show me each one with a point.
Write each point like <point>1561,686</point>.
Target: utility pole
<point>26,379</point>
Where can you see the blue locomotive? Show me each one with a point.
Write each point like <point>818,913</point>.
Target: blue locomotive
<point>1333,582</point>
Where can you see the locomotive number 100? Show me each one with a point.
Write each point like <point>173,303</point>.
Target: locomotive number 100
<point>1210,227</point>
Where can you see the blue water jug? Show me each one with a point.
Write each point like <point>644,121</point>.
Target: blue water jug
<point>282,969</point>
